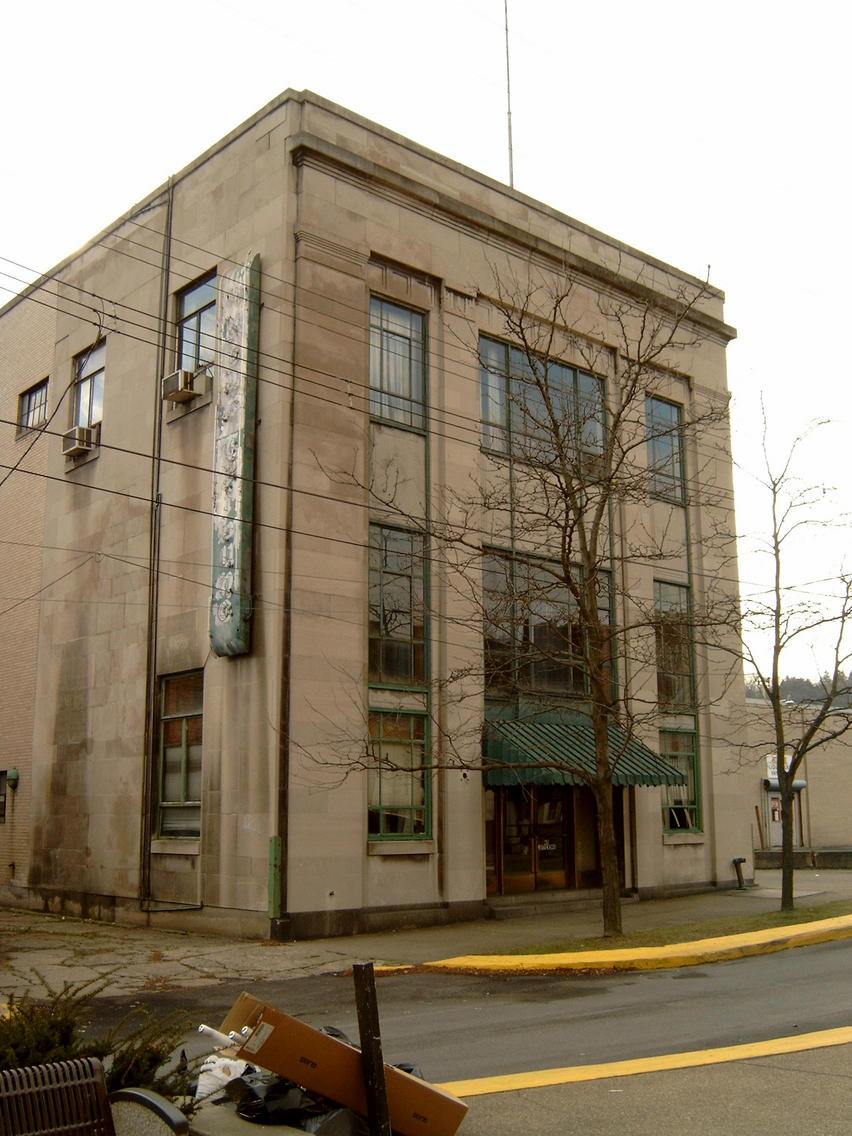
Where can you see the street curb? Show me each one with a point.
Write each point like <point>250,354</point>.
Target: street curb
<point>696,953</point>
<point>542,1078</point>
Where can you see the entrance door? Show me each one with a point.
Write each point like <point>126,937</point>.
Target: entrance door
<point>544,836</point>
<point>529,837</point>
<point>550,836</point>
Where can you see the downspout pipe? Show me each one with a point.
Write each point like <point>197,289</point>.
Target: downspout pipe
<point>151,688</point>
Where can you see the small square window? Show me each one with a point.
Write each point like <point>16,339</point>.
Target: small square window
<point>32,407</point>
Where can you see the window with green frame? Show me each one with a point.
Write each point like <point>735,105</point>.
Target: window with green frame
<point>533,407</point>
<point>397,364</point>
<point>181,707</point>
<point>533,638</point>
<point>399,784</point>
<point>681,803</point>
<point>675,678</point>
<point>663,422</point>
<point>396,608</point>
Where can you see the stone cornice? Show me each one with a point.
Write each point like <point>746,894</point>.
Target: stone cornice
<point>313,151</point>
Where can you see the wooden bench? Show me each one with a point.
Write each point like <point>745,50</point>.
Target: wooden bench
<point>69,1098</point>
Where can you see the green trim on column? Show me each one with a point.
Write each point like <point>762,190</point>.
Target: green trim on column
<point>275,858</point>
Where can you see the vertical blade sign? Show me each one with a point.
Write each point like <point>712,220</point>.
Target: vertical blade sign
<point>237,313</point>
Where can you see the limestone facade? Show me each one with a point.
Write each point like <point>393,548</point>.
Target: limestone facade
<point>163,782</point>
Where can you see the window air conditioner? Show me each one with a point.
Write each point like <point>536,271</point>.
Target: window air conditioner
<point>78,440</point>
<point>179,387</point>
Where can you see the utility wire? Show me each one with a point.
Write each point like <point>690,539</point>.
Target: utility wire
<point>467,423</point>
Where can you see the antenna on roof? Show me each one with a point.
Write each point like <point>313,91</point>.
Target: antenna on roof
<point>509,96</point>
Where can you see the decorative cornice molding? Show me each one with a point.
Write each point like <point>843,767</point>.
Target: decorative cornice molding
<point>313,152</point>
<point>323,244</point>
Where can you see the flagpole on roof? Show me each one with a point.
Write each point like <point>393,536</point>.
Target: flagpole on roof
<point>509,96</point>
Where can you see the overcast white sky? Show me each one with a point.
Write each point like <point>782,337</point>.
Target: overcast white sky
<point>704,134</point>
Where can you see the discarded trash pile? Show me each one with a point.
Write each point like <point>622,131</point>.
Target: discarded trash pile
<point>274,1069</point>
<point>267,1098</point>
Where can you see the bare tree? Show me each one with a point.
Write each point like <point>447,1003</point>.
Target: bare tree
<point>783,619</point>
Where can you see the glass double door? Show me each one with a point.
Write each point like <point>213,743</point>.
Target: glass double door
<point>530,839</point>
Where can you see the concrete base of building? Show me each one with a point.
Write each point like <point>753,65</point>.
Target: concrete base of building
<point>368,920</point>
<point>234,923</point>
<point>130,911</point>
<point>822,859</point>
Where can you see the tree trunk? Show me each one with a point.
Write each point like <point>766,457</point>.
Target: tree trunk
<point>610,876</point>
<point>787,800</point>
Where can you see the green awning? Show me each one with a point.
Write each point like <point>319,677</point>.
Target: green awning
<point>556,753</point>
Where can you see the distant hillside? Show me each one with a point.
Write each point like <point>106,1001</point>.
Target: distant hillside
<point>806,690</point>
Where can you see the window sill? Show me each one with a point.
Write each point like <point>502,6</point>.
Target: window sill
<point>683,838</point>
<point>377,420</point>
<point>400,847</point>
<point>399,687</point>
<point>176,846</point>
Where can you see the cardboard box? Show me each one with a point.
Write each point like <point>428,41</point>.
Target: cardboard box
<point>327,1066</point>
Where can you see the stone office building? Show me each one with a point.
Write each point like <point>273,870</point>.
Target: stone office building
<point>257,427</point>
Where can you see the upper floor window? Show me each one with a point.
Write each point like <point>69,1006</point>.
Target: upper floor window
<point>537,409</point>
<point>2,795</point>
<point>675,685</point>
<point>665,448</point>
<point>397,618</point>
<point>533,635</point>
<point>89,386</point>
<point>397,364</point>
<point>32,406</point>
<point>197,325</point>
<point>181,707</point>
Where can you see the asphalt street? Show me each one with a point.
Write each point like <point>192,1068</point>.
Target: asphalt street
<point>799,1094</point>
<point>464,1026</point>
<point>543,1030</point>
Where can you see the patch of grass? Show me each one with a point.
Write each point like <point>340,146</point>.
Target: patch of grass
<point>688,932</point>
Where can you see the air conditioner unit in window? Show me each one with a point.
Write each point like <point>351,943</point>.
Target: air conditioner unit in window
<point>179,387</point>
<point>78,440</point>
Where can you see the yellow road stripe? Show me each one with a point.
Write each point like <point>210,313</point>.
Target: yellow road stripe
<point>571,1074</point>
<point>654,958</point>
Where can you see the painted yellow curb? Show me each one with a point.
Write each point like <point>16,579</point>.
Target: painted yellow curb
<point>572,1074</point>
<point>655,958</point>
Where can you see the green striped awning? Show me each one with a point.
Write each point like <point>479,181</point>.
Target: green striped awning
<point>557,753</point>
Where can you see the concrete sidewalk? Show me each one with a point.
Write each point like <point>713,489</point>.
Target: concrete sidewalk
<point>38,950</point>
